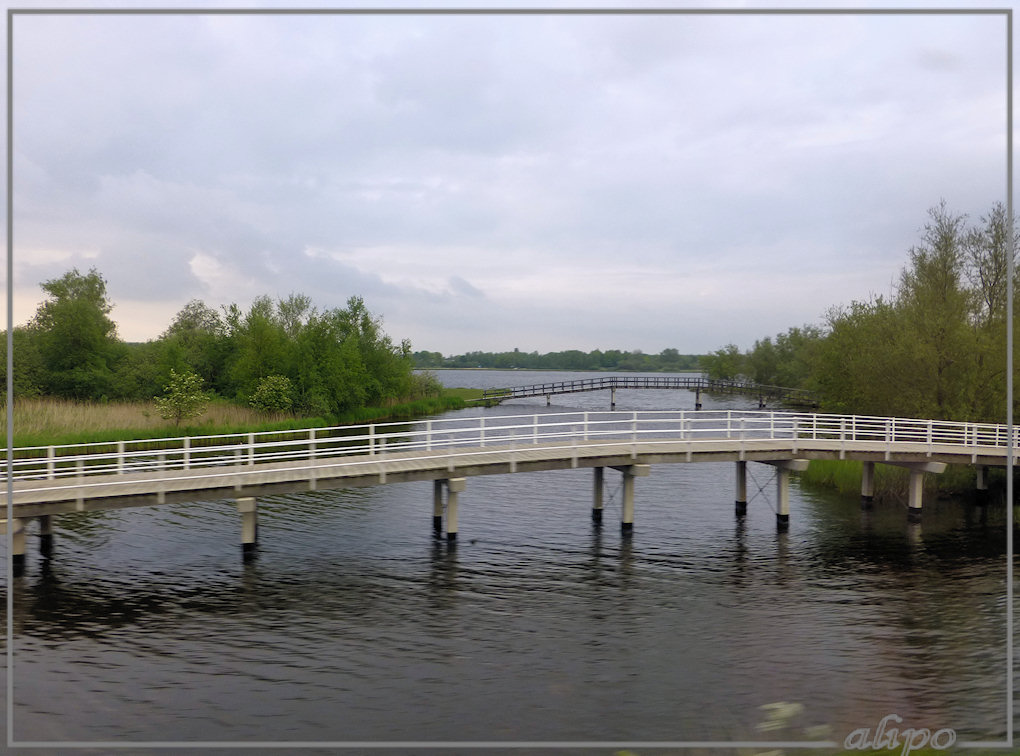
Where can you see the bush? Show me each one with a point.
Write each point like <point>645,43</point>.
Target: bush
<point>274,394</point>
<point>182,397</point>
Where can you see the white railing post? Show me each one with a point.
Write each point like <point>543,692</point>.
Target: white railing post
<point>312,446</point>
<point>930,424</point>
<point>481,431</point>
<point>428,435</point>
<point>120,457</point>
<point>729,423</point>
<point>633,427</point>
<point>251,449</point>
<point>535,434</point>
<point>586,426</point>
<point>371,440</point>
<point>51,452</point>
<point>187,452</point>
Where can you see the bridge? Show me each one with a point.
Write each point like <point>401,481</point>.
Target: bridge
<point>48,481</point>
<point>697,384</point>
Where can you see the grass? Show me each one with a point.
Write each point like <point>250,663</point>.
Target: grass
<point>48,421</point>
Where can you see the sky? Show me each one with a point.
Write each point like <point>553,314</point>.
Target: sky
<point>491,182</point>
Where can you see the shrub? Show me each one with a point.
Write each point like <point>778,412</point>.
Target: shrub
<point>274,394</point>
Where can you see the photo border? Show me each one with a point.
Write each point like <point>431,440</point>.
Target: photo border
<point>13,12</point>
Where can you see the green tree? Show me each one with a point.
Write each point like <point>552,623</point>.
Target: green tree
<point>182,398</point>
<point>724,364</point>
<point>75,337</point>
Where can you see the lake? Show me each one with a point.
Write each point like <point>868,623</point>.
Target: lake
<point>354,624</point>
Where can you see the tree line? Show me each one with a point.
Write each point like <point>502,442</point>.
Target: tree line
<point>571,359</point>
<point>934,348</point>
<point>293,356</point>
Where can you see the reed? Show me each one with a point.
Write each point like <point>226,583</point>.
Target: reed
<point>891,483</point>
<point>47,421</point>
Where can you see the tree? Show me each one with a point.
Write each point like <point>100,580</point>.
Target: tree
<point>75,336</point>
<point>724,364</point>
<point>182,397</point>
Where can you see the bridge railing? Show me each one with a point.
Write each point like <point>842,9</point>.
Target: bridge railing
<point>446,435</point>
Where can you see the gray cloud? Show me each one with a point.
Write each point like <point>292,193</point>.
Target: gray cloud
<point>477,179</point>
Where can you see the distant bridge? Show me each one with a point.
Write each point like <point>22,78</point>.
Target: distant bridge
<point>697,384</point>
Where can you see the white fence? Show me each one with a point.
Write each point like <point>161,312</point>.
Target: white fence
<point>513,431</point>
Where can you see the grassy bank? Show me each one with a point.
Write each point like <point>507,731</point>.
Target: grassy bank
<point>44,422</point>
<point>891,483</point>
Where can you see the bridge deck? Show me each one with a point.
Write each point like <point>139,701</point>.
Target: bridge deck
<point>55,496</point>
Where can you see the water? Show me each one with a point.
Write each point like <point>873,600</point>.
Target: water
<point>354,624</point>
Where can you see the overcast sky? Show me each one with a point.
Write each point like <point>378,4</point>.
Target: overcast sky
<point>489,182</point>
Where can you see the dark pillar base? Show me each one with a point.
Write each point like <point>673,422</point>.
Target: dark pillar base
<point>18,565</point>
<point>596,516</point>
<point>741,509</point>
<point>782,522</point>
<point>46,544</point>
<point>627,528</point>
<point>437,525</point>
<point>451,536</point>
<point>867,502</point>
<point>913,514</point>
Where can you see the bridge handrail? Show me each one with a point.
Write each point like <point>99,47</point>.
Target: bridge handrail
<point>248,449</point>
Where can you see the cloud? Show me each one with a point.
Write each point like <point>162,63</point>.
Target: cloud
<point>543,180</point>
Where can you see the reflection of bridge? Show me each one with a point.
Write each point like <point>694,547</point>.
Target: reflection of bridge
<point>697,384</point>
<point>54,480</point>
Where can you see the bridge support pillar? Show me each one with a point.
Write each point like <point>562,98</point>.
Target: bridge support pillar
<point>17,529</point>
<point>981,485</point>
<point>915,494</point>
<point>597,494</point>
<point>454,486</point>
<point>437,508</point>
<point>697,398</point>
<point>782,498</point>
<point>249,523</point>
<point>612,398</point>
<point>867,484</point>
<point>45,534</point>
<point>741,509</point>
<point>783,469</point>
<point>548,400</point>
<point>629,473</point>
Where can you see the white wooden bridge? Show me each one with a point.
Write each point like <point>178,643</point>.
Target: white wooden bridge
<point>53,480</point>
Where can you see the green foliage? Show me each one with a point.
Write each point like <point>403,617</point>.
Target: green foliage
<point>935,348</point>
<point>182,398</point>
<point>274,394</point>
<point>75,337</point>
<point>724,364</point>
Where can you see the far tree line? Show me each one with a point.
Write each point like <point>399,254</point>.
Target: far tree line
<point>571,359</point>
<point>283,354</point>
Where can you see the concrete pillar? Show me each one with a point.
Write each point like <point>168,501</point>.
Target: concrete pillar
<point>612,398</point>
<point>981,492</point>
<point>597,494</point>
<point>629,473</point>
<point>45,534</point>
<point>249,523</point>
<point>867,484</point>
<point>741,489</point>
<point>782,498</point>
<point>548,400</point>
<point>697,398</point>
<point>17,529</point>
<point>453,488</point>
<point>437,508</point>
<point>915,494</point>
